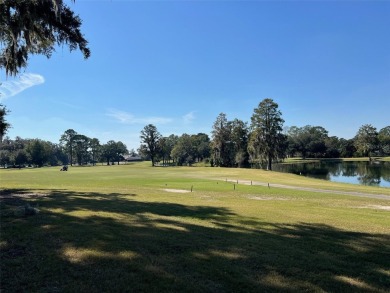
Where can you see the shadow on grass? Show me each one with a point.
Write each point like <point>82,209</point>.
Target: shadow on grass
<point>93,242</point>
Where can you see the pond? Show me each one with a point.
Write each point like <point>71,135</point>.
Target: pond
<point>366,173</point>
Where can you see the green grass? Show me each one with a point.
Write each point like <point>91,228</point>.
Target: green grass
<point>123,229</point>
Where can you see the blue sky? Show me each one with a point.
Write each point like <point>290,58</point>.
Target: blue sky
<point>178,64</point>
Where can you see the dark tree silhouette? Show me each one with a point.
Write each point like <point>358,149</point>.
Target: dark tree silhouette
<point>36,27</point>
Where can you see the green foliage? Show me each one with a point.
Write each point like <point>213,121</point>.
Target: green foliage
<point>36,27</point>
<point>150,139</point>
<point>4,125</point>
<point>366,140</point>
<point>347,148</point>
<point>119,151</point>
<point>107,151</point>
<point>190,148</point>
<point>384,140</point>
<point>67,142</point>
<point>267,141</point>
<point>201,142</point>
<point>20,157</point>
<point>239,138</point>
<point>311,141</point>
<point>165,149</point>
<point>184,150</point>
<point>81,148</point>
<point>113,151</point>
<point>229,143</point>
<point>222,148</point>
<point>5,157</point>
<point>21,152</point>
<point>95,148</point>
<point>38,152</point>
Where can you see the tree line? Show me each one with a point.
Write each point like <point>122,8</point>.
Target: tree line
<point>179,150</point>
<point>233,143</point>
<point>73,148</point>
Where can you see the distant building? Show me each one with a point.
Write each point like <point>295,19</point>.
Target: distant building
<point>130,158</point>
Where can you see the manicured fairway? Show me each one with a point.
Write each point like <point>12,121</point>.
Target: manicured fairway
<point>134,228</point>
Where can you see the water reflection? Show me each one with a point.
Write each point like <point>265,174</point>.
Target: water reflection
<point>366,173</point>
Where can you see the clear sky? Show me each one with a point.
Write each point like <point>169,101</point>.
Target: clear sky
<point>178,64</point>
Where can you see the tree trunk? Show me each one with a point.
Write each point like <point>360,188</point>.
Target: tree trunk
<point>269,167</point>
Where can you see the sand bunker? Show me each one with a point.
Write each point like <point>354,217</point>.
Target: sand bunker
<point>266,198</point>
<point>376,207</point>
<point>177,190</point>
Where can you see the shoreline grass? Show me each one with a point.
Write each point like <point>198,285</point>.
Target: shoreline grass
<point>123,229</point>
<point>314,160</point>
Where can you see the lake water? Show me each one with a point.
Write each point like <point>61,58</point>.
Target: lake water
<point>365,173</point>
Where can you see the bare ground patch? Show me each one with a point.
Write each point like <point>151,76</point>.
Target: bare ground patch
<point>376,207</point>
<point>176,190</point>
<point>267,198</point>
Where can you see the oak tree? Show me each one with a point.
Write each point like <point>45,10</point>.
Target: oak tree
<point>150,140</point>
<point>366,140</point>
<point>36,27</point>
